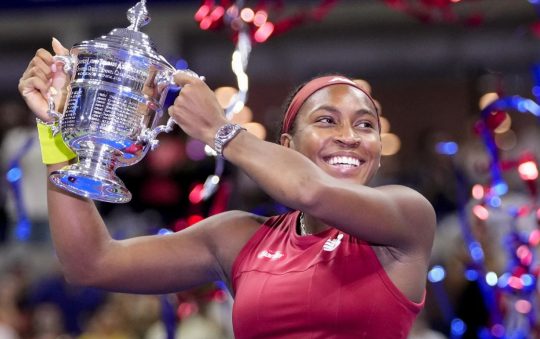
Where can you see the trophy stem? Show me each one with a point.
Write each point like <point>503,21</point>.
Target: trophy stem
<point>93,176</point>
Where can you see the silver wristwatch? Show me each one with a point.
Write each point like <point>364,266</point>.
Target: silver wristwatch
<point>225,134</point>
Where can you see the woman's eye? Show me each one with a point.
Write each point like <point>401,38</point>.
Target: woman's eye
<point>326,120</point>
<point>365,124</point>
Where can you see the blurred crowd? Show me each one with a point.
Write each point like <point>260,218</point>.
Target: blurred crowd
<point>44,306</point>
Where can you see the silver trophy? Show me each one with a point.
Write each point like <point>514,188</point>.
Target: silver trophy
<point>115,100</point>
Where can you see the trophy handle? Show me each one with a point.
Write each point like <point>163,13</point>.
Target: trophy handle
<point>67,60</point>
<point>53,92</point>
<point>149,135</point>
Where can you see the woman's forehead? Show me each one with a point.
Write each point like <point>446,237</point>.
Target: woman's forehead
<point>339,94</point>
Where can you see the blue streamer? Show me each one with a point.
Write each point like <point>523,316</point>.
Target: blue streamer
<point>498,185</point>
<point>475,250</point>
<point>168,315</point>
<point>14,176</point>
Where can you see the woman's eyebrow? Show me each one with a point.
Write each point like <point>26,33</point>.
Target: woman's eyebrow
<point>363,111</point>
<point>328,108</point>
<point>333,109</point>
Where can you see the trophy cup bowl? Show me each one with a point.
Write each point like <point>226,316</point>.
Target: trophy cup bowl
<point>118,85</point>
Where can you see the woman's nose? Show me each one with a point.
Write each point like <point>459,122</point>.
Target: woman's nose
<point>347,136</point>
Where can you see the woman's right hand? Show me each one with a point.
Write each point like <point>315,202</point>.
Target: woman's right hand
<point>41,74</point>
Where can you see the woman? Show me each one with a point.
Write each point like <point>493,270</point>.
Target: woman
<point>349,262</point>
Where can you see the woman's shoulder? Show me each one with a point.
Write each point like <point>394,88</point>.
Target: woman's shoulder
<point>231,230</point>
<point>228,233</point>
<point>406,195</point>
<point>232,227</point>
<point>396,188</point>
<point>416,212</point>
<point>238,218</point>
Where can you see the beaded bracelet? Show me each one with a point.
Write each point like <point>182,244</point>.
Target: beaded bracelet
<point>53,148</point>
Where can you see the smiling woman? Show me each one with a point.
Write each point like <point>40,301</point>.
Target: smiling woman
<point>346,262</point>
<point>340,122</point>
<point>347,241</point>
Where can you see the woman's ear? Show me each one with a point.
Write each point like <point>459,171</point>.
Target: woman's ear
<point>286,140</point>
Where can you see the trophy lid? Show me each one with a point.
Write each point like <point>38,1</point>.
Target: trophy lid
<point>130,39</point>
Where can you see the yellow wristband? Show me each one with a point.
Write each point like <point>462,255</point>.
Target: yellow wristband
<point>53,148</point>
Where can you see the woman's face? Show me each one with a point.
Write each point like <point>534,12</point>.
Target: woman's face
<point>337,128</point>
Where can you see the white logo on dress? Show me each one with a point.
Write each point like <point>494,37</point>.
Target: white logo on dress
<point>332,244</point>
<point>270,255</point>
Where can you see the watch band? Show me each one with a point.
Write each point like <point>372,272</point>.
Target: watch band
<point>224,135</point>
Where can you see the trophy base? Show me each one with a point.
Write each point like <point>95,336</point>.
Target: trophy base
<point>87,183</point>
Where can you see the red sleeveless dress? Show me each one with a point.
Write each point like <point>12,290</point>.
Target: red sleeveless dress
<point>326,285</point>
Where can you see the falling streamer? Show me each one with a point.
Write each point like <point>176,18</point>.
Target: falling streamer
<point>239,63</point>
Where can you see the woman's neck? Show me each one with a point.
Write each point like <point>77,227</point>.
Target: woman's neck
<point>311,225</point>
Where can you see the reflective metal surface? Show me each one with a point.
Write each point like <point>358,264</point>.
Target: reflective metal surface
<point>115,99</point>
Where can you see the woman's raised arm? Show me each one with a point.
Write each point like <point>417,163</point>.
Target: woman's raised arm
<point>149,264</point>
<point>89,255</point>
<point>306,175</point>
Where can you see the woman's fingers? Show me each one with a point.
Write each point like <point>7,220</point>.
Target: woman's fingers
<point>183,78</point>
<point>38,78</point>
<point>31,85</point>
<point>196,109</point>
<point>58,48</point>
<point>34,92</point>
<point>44,55</point>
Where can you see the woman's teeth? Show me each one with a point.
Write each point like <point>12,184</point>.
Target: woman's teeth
<point>344,161</point>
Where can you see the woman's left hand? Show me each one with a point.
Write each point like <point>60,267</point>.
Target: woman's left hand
<point>196,109</point>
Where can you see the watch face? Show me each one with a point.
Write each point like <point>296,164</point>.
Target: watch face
<point>224,135</point>
<point>226,130</point>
